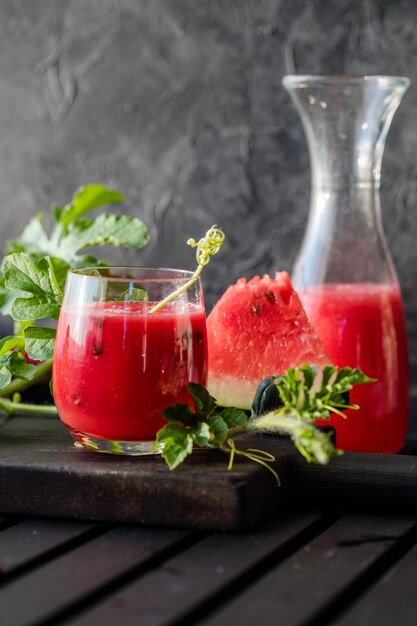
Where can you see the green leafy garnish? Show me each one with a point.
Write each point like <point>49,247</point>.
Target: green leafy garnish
<point>34,272</point>
<point>134,294</point>
<point>306,395</point>
<point>208,424</point>
<point>207,246</point>
<point>38,280</point>
<point>14,364</point>
<point>39,342</point>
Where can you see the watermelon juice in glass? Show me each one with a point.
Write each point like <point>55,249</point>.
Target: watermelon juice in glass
<point>118,363</point>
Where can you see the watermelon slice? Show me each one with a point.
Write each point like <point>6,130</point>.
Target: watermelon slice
<point>256,329</point>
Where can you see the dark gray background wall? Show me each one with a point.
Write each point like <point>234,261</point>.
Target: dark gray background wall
<point>179,104</point>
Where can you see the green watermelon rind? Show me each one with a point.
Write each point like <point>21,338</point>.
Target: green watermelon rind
<point>219,387</point>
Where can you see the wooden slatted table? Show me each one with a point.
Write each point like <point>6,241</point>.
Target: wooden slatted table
<point>298,567</point>
<point>333,561</point>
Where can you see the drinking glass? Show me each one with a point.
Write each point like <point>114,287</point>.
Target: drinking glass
<point>118,363</point>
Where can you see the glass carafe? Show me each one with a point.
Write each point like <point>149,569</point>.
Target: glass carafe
<point>344,271</point>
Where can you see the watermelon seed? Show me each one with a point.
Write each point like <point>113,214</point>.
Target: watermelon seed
<point>269,295</point>
<point>198,338</point>
<point>97,350</point>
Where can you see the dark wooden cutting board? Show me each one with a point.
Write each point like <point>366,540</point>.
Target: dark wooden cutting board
<point>43,473</point>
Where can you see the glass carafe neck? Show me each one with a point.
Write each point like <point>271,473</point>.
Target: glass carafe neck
<point>346,120</point>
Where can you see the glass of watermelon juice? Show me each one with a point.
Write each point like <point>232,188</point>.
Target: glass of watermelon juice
<point>117,363</point>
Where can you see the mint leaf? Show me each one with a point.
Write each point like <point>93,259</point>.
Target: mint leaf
<point>56,212</point>
<point>36,279</point>
<point>5,377</point>
<point>117,230</point>
<point>21,273</point>
<point>84,200</point>
<point>11,342</point>
<point>179,413</point>
<point>133,294</point>
<point>328,372</point>
<point>202,434</point>
<point>218,429</point>
<point>39,342</point>
<point>33,309</point>
<point>178,444</point>
<point>203,401</point>
<point>209,424</point>
<point>234,417</point>
<point>316,395</point>
<point>17,366</point>
<point>60,268</point>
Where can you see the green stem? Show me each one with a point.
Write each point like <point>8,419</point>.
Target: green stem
<point>10,408</point>
<point>284,423</point>
<point>258,456</point>
<point>19,385</point>
<point>236,431</point>
<point>178,291</point>
<point>207,246</point>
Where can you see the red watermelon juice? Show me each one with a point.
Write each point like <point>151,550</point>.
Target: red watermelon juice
<point>117,366</point>
<point>362,325</point>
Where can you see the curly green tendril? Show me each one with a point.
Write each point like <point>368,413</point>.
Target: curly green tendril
<point>207,246</point>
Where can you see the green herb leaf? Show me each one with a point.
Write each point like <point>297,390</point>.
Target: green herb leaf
<point>180,413</point>
<point>5,377</point>
<point>117,230</point>
<point>203,401</point>
<point>11,342</point>
<point>86,199</point>
<point>15,364</point>
<point>202,434</point>
<point>208,425</point>
<point>39,342</point>
<point>316,395</point>
<point>36,279</point>
<point>233,417</point>
<point>218,429</point>
<point>60,268</point>
<point>178,444</point>
<point>133,294</point>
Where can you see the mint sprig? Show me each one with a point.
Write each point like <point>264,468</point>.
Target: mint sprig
<point>208,425</point>
<point>306,395</point>
<point>310,394</point>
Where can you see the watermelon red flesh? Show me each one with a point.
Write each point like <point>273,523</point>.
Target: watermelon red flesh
<point>257,328</point>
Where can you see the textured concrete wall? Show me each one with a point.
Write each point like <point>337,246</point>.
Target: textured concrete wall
<point>179,104</point>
